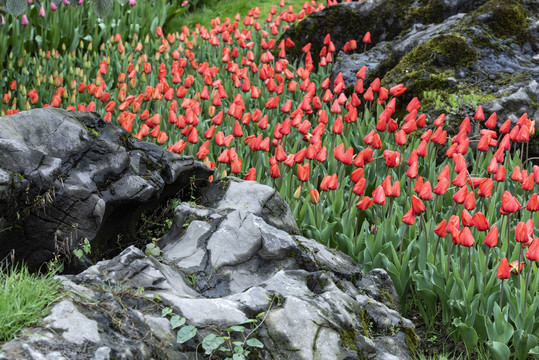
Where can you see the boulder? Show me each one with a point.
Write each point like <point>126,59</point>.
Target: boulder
<point>453,55</point>
<point>234,266</point>
<point>68,176</point>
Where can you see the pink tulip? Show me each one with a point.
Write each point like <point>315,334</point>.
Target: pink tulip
<point>24,20</point>
<point>42,12</point>
<point>54,7</point>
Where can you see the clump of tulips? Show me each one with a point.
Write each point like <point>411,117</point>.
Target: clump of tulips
<point>454,232</point>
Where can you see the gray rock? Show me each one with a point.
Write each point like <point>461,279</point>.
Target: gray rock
<point>222,265</point>
<point>76,327</point>
<point>66,176</point>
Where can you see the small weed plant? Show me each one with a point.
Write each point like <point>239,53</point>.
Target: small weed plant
<point>234,343</point>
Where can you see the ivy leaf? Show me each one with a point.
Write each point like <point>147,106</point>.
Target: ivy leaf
<point>236,328</point>
<point>16,7</point>
<point>211,343</point>
<point>176,321</point>
<point>254,343</point>
<point>186,333</point>
<point>102,8</point>
<point>166,311</point>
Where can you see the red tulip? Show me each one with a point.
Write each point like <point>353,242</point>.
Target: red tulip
<point>460,196</point>
<point>441,187</point>
<point>466,218</point>
<point>396,189</point>
<point>509,204</point>
<point>469,202</point>
<point>329,182</point>
<point>274,171</point>
<point>303,172</point>
<point>480,221</point>
<point>417,205</point>
<point>314,196</point>
<point>533,203</point>
<point>367,38</point>
<point>251,174</point>
<point>418,184</point>
<point>521,233</point>
<point>359,187</point>
<point>364,203</point>
<point>492,237</point>
<point>393,158</point>
<point>479,114</point>
<point>485,188</point>
<point>533,251</point>
<point>504,271</point>
<point>378,195</point>
<point>409,218</point>
<point>440,229</point>
<point>466,237</point>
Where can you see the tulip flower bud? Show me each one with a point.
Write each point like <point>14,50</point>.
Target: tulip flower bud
<point>297,193</point>
<point>314,196</point>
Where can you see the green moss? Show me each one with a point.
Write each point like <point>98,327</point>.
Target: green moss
<point>430,11</point>
<point>508,17</point>
<point>411,339</point>
<point>386,298</point>
<point>348,338</point>
<point>428,65</point>
<point>364,322</point>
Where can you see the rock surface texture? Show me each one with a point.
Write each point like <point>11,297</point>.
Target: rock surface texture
<point>234,258</point>
<point>484,52</point>
<point>66,176</point>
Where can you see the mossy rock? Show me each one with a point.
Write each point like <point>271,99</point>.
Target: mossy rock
<point>505,18</point>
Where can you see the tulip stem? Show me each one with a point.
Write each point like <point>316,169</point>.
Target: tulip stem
<point>530,264</point>
<point>508,240</point>
<point>501,293</point>
<point>469,264</point>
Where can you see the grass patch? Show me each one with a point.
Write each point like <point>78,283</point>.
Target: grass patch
<point>208,11</point>
<point>24,299</point>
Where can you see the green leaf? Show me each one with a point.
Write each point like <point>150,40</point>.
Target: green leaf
<point>238,356</point>
<point>211,343</point>
<point>177,321</point>
<point>186,333</point>
<point>523,343</point>
<point>122,2</point>
<point>102,8</point>
<point>498,350</point>
<point>467,333</point>
<point>16,7</point>
<point>254,343</point>
<point>236,328</point>
<point>166,311</point>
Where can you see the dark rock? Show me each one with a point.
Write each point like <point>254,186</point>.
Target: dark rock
<point>223,264</point>
<point>67,176</point>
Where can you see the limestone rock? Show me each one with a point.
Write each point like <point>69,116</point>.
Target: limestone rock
<point>223,264</point>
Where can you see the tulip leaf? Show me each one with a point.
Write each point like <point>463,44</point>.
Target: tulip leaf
<point>16,7</point>
<point>467,333</point>
<point>499,350</point>
<point>102,8</point>
<point>523,343</point>
<point>122,2</point>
